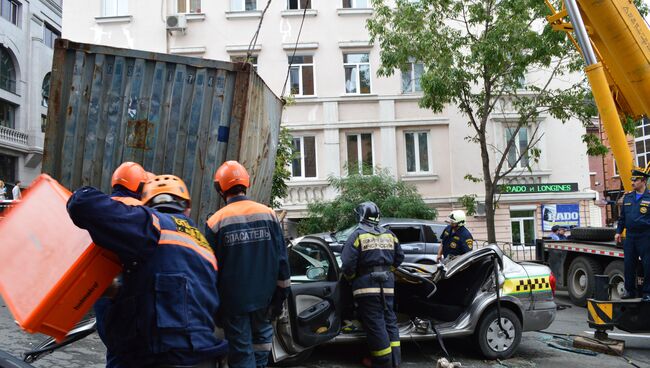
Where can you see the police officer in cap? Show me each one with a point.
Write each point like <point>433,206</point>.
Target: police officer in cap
<point>456,239</point>
<point>635,219</point>
<point>369,256</point>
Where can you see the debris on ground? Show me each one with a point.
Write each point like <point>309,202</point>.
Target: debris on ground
<point>444,363</point>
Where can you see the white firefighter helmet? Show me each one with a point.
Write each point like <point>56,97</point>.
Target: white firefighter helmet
<point>457,217</point>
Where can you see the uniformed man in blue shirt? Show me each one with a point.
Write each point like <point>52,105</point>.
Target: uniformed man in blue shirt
<point>164,313</point>
<point>635,219</point>
<point>456,239</point>
<point>369,255</point>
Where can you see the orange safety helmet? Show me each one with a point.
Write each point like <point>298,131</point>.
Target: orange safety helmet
<point>165,184</point>
<point>229,174</point>
<point>130,175</point>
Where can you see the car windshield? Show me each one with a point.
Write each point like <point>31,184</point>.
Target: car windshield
<point>343,235</point>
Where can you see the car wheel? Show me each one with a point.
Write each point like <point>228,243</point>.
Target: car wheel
<point>581,280</point>
<point>298,359</point>
<point>615,270</point>
<point>491,339</point>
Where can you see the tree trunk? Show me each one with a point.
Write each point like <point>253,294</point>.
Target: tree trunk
<point>489,190</point>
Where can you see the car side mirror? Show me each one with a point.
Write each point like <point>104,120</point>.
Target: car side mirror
<point>316,273</point>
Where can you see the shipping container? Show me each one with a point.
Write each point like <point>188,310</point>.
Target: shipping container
<point>172,114</point>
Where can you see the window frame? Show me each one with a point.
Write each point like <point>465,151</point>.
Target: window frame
<point>254,60</point>
<point>48,35</point>
<point>12,122</point>
<point>360,152</point>
<point>188,5</point>
<point>416,146</point>
<point>14,12</point>
<point>242,6</point>
<point>642,139</point>
<point>302,158</point>
<point>517,148</point>
<point>298,2</point>
<point>11,79</point>
<point>115,12</point>
<point>357,67</point>
<point>354,4</point>
<point>413,79</point>
<point>522,232</point>
<point>300,66</point>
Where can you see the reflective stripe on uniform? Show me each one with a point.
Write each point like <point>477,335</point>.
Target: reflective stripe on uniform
<point>241,219</point>
<point>370,241</point>
<point>176,238</point>
<point>387,291</point>
<point>283,283</point>
<point>262,347</point>
<point>156,221</point>
<point>382,352</point>
<point>394,343</point>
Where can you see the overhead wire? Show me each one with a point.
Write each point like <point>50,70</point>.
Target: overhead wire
<point>251,45</point>
<point>295,47</point>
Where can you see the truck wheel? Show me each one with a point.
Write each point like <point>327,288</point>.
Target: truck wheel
<point>593,233</point>
<point>492,341</point>
<point>581,279</point>
<point>615,270</point>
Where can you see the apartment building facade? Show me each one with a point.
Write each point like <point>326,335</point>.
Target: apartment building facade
<point>346,118</point>
<point>28,30</point>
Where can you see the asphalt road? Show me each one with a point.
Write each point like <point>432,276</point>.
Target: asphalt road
<point>533,352</point>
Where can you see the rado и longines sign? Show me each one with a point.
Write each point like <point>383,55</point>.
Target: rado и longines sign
<point>537,188</point>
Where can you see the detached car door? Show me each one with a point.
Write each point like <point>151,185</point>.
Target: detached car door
<point>312,313</point>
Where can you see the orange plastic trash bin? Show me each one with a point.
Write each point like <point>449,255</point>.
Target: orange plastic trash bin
<point>50,271</point>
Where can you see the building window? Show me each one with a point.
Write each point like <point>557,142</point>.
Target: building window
<point>188,6</point>
<point>115,8</point>
<point>302,75</point>
<point>243,5</point>
<point>8,168</point>
<point>357,73</point>
<point>50,35</point>
<point>10,10</point>
<point>523,227</point>
<point>520,144</point>
<point>7,71</point>
<point>363,4</point>
<point>303,164</point>
<point>242,59</point>
<point>43,123</point>
<point>45,90</point>
<point>7,114</point>
<point>299,4</point>
<point>417,152</point>
<point>360,154</point>
<point>411,78</point>
<point>642,142</point>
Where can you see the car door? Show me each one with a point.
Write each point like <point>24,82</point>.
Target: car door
<point>313,310</point>
<point>410,237</point>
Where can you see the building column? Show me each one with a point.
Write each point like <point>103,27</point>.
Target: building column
<point>388,141</point>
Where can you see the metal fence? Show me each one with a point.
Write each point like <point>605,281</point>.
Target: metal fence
<point>518,252</point>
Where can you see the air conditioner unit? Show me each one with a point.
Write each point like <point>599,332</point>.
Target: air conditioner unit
<point>176,22</point>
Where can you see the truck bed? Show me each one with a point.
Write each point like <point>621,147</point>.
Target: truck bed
<point>590,247</point>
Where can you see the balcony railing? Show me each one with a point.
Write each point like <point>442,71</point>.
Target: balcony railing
<point>8,135</point>
<point>302,193</point>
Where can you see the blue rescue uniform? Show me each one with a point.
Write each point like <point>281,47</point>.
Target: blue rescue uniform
<point>164,312</point>
<point>369,255</point>
<point>253,275</point>
<point>132,199</point>
<point>456,242</point>
<point>635,219</point>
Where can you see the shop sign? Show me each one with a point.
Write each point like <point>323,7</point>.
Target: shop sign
<point>565,215</point>
<point>537,188</point>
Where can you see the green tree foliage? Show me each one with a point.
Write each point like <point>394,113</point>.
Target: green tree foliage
<point>281,174</point>
<point>395,198</point>
<point>476,55</point>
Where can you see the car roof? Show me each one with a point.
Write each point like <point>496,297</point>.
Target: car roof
<point>407,221</point>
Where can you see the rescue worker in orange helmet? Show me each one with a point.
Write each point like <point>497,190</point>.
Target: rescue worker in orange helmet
<point>254,271</point>
<point>164,314</point>
<point>127,183</point>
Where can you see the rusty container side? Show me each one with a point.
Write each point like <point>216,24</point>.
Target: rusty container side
<point>172,114</point>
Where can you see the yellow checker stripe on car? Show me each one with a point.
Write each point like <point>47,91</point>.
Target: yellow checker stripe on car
<point>522,285</point>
